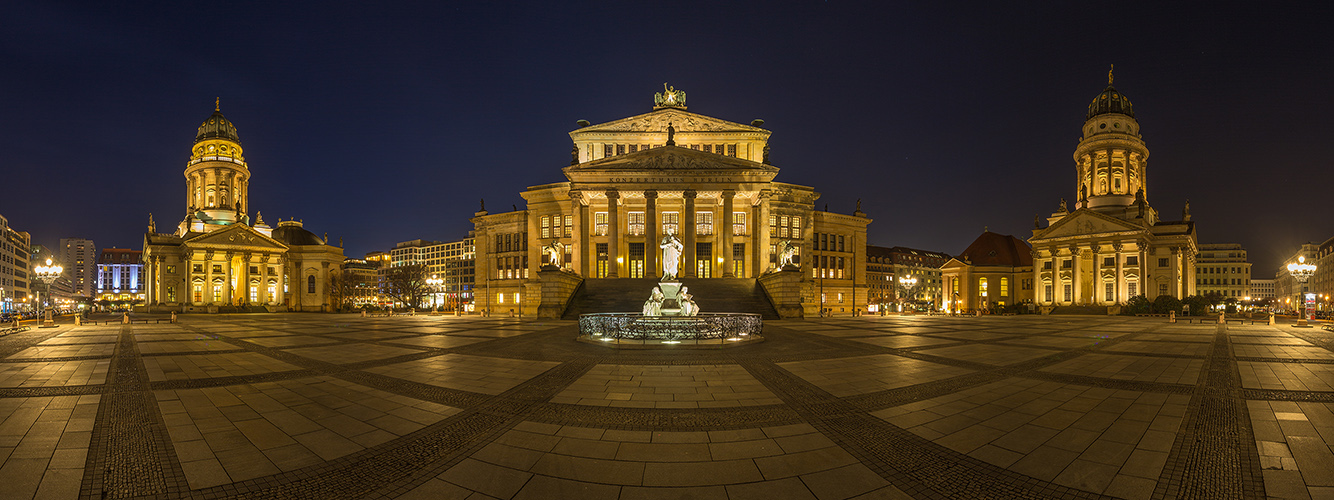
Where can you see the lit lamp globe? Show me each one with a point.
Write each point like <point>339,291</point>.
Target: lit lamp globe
<point>48,275</point>
<point>1301,271</point>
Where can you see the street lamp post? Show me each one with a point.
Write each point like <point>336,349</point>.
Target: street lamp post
<point>1301,271</point>
<point>907,283</point>
<point>48,275</point>
<point>434,282</point>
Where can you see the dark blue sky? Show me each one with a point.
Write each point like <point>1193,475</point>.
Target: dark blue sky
<point>380,122</point>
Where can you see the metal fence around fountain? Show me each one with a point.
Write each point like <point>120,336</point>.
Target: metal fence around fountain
<point>704,328</point>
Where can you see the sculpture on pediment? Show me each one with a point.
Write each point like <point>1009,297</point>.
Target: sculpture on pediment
<point>669,98</point>
<point>1037,224</point>
<point>152,227</point>
<point>1063,209</point>
<point>574,154</point>
<point>1185,212</point>
<point>765,159</point>
<point>671,255</point>
<point>671,134</point>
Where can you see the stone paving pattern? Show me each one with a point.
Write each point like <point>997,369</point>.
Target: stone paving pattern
<point>338,406</point>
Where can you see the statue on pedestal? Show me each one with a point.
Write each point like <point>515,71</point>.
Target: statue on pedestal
<point>555,254</point>
<point>688,306</point>
<point>653,306</point>
<point>786,250</point>
<point>671,255</point>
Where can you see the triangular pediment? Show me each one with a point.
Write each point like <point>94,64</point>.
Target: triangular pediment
<point>657,120</point>
<point>672,159</point>
<point>1084,222</point>
<point>236,237</point>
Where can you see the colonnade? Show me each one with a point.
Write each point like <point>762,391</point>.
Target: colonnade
<point>755,235</point>
<point>232,284</point>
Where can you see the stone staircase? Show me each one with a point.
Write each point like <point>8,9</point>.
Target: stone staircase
<point>628,295</point>
<point>1080,310</point>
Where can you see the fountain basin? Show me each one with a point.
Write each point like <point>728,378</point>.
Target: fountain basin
<point>705,330</point>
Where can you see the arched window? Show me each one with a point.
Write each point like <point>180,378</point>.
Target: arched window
<point>310,284</point>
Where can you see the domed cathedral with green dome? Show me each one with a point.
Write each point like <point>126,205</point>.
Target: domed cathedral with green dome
<point>1110,244</point>
<point>220,260</point>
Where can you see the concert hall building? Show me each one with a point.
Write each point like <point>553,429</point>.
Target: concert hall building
<point>708,180</point>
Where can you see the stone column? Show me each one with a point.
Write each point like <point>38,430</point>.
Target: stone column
<point>1174,263</point>
<point>651,250</point>
<point>613,233</point>
<point>1098,290</point>
<point>228,290</point>
<point>1119,279</point>
<point>725,237</point>
<point>264,297</point>
<point>759,234</point>
<point>1144,281</point>
<point>1075,279</point>
<point>688,234</point>
<point>586,253</point>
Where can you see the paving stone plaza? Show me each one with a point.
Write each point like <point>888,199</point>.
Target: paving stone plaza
<point>338,406</point>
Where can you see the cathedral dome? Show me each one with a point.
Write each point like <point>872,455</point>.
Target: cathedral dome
<point>1110,101</point>
<point>217,127</point>
<point>291,233</point>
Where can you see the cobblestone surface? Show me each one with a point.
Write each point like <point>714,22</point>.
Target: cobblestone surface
<point>324,406</point>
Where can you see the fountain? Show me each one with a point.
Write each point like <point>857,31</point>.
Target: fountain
<point>670,316</point>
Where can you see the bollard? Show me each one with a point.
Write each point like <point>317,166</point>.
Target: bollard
<point>173,317</point>
<point>77,320</point>
<point>1171,316</point>
<point>363,313</point>
<point>1220,318</point>
<point>1271,318</point>
<point>125,318</point>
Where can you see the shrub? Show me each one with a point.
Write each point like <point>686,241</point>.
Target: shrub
<point>1199,305</point>
<point>1166,303</point>
<point>1138,305</point>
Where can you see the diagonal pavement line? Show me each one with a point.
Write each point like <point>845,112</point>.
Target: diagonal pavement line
<point>130,454</point>
<point>911,463</point>
<point>1214,454</point>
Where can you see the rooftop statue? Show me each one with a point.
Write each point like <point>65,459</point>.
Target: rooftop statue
<point>669,98</point>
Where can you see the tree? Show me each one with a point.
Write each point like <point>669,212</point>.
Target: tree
<point>1199,305</point>
<point>406,284</point>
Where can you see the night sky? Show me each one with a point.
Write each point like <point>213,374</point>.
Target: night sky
<point>377,122</point>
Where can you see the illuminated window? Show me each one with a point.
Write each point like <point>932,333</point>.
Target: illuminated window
<point>773,226</point>
<point>569,225</point>
<point>600,224</point>
<point>500,297</point>
<point>704,223</point>
<point>217,292</point>
<point>171,294</point>
<point>273,290</point>
<point>254,292</point>
<point>982,286</point>
<point>546,226</point>
<point>671,222</point>
<point>199,292</point>
<point>635,224</point>
<point>1005,287</point>
<point>739,223</point>
<point>783,226</point>
<point>170,270</point>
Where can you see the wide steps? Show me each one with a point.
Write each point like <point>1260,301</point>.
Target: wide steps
<point>742,295</point>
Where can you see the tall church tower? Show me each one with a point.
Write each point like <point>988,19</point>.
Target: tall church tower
<point>1111,160</point>
<point>217,180</point>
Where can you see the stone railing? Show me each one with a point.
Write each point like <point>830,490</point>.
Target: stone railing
<point>705,328</point>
